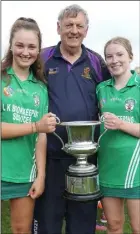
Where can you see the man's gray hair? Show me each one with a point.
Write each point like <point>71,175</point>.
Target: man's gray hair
<point>72,11</point>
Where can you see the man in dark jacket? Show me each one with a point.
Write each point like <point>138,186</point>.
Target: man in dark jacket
<point>72,73</point>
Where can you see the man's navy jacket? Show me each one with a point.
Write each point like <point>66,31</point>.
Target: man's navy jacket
<point>72,88</point>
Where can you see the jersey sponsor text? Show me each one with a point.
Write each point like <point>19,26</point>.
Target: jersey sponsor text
<point>20,114</point>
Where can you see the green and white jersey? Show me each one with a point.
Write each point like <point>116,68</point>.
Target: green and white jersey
<point>22,102</point>
<point>119,152</point>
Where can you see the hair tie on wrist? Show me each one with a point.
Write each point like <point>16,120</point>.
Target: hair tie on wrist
<point>34,129</point>
<point>36,126</point>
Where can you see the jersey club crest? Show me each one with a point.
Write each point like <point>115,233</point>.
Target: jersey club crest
<point>129,104</point>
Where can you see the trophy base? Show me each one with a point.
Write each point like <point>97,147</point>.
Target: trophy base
<point>83,198</point>
<point>82,187</point>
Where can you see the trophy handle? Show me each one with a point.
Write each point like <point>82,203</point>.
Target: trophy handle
<point>59,139</point>
<point>58,122</point>
<point>101,136</point>
<point>101,118</point>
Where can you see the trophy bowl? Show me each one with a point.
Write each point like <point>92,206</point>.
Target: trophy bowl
<point>80,137</point>
<point>81,179</point>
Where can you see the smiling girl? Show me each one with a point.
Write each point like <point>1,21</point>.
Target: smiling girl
<point>24,123</point>
<point>119,153</point>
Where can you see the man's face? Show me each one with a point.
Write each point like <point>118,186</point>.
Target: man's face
<point>72,30</point>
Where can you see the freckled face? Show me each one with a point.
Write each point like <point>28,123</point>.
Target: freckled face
<point>25,48</point>
<point>117,59</point>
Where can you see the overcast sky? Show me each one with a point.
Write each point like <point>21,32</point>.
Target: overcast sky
<point>107,19</point>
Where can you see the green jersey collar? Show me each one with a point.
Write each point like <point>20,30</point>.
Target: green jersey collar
<point>133,78</point>
<point>131,82</point>
<point>31,77</point>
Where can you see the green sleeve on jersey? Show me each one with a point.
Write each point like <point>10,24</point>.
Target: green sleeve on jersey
<point>101,86</point>
<point>45,101</point>
<point>46,104</point>
<point>98,88</point>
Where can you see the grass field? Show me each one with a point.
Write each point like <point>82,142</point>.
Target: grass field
<point>5,221</point>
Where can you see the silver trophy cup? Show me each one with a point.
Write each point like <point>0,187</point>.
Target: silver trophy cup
<point>81,179</point>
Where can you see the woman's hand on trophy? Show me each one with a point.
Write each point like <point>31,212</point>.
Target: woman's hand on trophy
<point>111,121</point>
<point>47,124</point>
